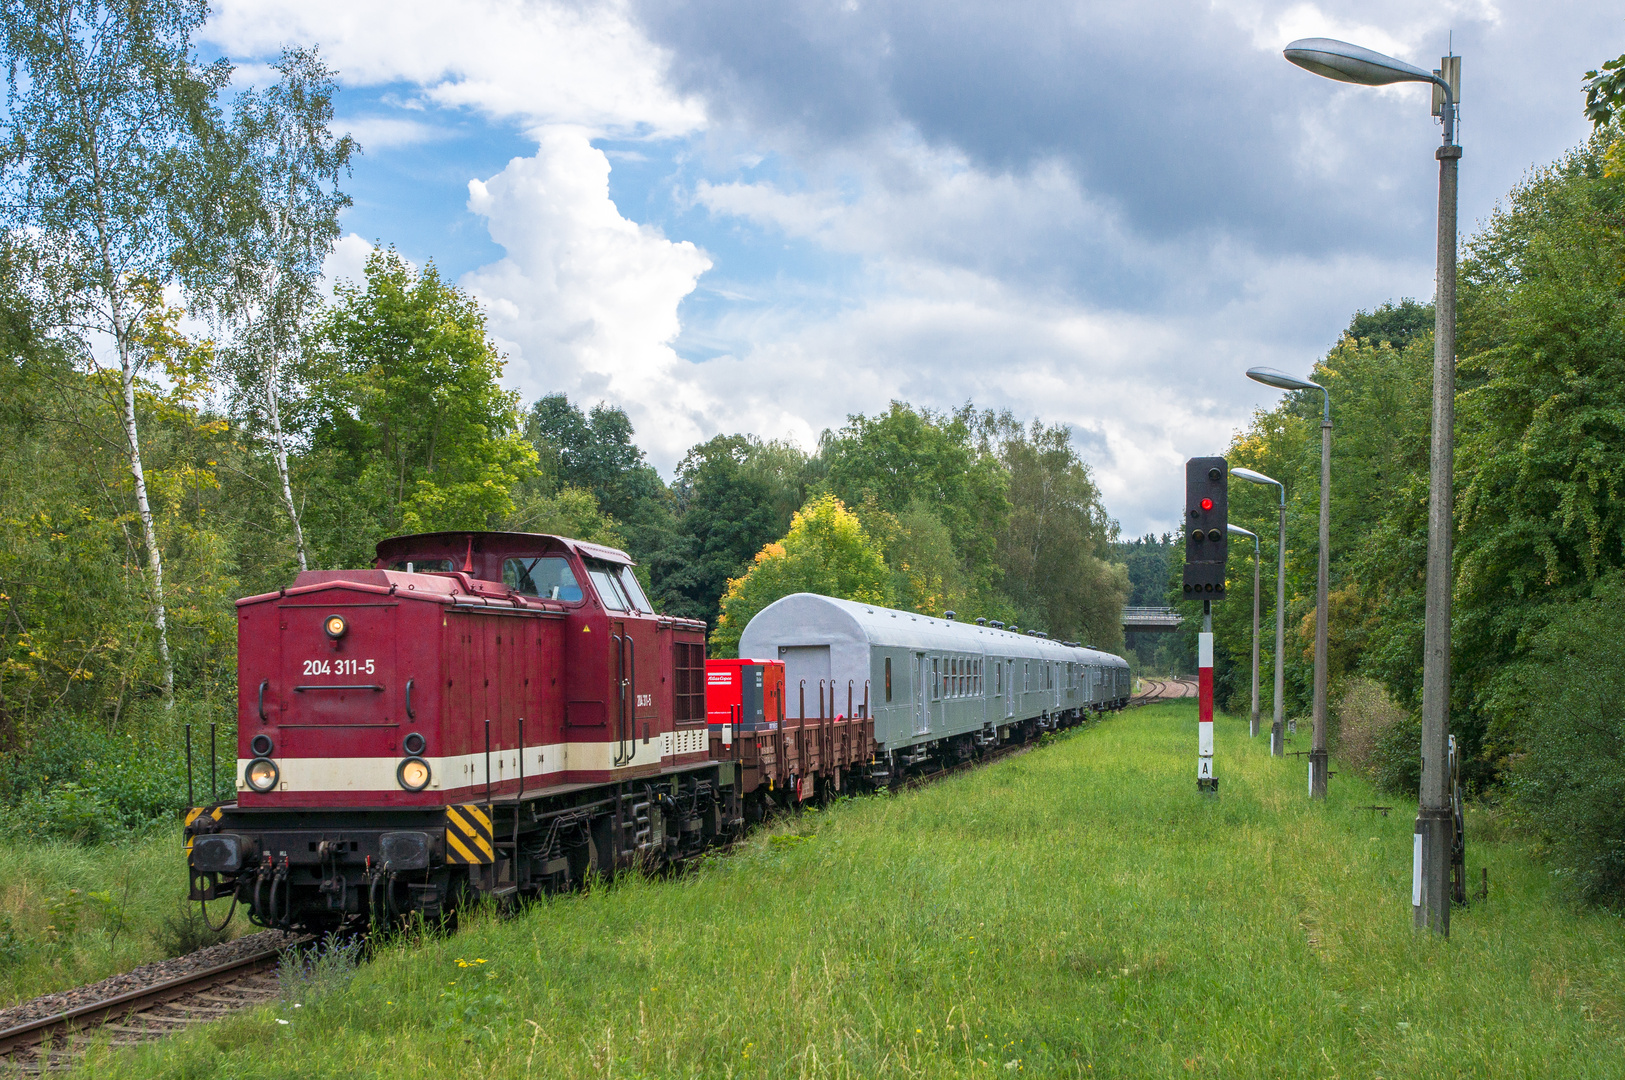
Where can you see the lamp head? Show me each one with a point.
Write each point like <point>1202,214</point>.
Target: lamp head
<point>1251,477</point>
<point>1281,380</point>
<point>1352,64</point>
<point>1237,530</point>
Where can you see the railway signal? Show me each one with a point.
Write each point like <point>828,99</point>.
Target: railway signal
<point>1207,543</point>
<point>1207,517</point>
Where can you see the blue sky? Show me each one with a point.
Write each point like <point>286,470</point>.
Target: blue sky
<point>730,216</point>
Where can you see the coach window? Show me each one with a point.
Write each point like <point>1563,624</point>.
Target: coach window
<point>998,678</point>
<point>888,678</point>
<point>548,577</point>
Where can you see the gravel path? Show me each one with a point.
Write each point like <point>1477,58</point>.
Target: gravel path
<point>143,976</point>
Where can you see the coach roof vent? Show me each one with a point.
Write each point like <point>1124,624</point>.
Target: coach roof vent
<point>949,615</point>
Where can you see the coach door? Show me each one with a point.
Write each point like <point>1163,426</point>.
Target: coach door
<point>924,690</point>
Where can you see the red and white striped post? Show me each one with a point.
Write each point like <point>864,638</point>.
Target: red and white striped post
<point>1205,780</point>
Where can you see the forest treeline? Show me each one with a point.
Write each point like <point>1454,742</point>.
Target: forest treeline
<point>188,419</point>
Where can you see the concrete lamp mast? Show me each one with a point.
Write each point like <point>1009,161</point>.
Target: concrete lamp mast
<point>1430,883</point>
<point>1237,530</point>
<point>1317,751</point>
<point>1278,724</point>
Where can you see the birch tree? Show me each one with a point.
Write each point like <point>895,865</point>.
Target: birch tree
<point>289,165</point>
<point>112,135</point>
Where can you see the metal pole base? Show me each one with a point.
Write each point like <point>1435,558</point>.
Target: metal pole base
<point>1277,740</point>
<point>1317,774</point>
<point>1209,787</point>
<point>1430,870</point>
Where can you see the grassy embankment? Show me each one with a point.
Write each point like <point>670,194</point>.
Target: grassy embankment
<point>74,913</point>
<point>1079,911</point>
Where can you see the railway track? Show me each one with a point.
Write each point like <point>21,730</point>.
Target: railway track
<point>1163,690</point>
<point>166,1006</point>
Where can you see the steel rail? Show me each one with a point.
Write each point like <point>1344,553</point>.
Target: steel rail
<point>36,1032</point>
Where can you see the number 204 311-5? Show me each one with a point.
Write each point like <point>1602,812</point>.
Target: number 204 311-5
<point>338,667</point>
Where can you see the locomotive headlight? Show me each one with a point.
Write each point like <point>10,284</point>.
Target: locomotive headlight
<point>335,626</point>
<point>413,774</point>
<point>262,774</point>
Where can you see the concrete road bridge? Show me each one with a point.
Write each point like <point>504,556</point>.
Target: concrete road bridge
<point>1151,620</point>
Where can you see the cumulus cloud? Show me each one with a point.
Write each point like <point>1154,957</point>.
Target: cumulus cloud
<point>585,299</point>
<point>530,63</point>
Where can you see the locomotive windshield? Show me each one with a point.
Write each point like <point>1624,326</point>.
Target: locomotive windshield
<point>549,577</point>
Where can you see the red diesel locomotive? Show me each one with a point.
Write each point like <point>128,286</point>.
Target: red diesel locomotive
<point>490,713</point>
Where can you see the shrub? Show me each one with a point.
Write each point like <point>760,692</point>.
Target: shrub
<point>184,931</point>
<point>1372,730</point>
<point>1570,781</point>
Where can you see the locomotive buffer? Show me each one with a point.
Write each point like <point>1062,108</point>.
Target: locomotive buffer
<point>1207,543</point>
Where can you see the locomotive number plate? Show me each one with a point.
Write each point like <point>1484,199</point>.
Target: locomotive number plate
<point>646,701</point>
<point>338,667</point>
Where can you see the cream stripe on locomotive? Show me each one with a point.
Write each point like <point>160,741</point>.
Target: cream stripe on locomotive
<point>468,770</point>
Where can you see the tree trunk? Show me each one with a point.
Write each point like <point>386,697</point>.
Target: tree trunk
<point>155,558</point>
<point>275,413</point>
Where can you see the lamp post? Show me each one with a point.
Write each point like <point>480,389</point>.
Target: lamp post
<point>1237,530</point>
<point>1430,874</point>
<point>1278,726</point>
<point>1317,749</point>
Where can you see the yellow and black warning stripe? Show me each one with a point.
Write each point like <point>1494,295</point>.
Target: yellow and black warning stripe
<point>192,815</point>
<point>468,835</point>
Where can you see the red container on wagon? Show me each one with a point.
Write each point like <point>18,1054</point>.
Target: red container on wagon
<point>746,693</point>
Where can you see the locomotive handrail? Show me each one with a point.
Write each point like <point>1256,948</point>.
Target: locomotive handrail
<point>263,684</point>
<point>410,715</point>
<point>337,686</point>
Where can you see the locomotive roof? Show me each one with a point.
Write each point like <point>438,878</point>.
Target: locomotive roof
<point>517,541</point>
<point>816,619</point>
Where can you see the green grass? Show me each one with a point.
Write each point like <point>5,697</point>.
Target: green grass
<point>1078,911</point>
<point>73,913</point>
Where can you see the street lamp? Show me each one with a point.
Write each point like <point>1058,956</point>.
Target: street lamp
<point>1237,530</point>
<point>1317,750</point>
<point>1430,877</point>
<point>1278,727</point>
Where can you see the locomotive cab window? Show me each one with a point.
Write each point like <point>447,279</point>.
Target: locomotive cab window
<point>609,590</point>
<point>628,582</point>
<point>548,577</point>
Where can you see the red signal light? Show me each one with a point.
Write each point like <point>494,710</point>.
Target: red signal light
<point>1207,504</point>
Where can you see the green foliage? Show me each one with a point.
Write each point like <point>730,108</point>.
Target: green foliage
<point>904,455</point>
<point>1605,92</point>
<point>826,551</point>
<point>1570,780</point>
<point>185,930</point>
<point>409,417</point>
<point>727,514</point>
<point>1056,545</point>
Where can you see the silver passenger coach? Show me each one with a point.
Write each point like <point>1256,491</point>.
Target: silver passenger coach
<point>927,679</point>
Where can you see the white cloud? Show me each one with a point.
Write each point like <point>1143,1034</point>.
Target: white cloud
<point>346,262</point>
<point>376,133</point>
<point>530,63</point>
<point>584,299</point>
